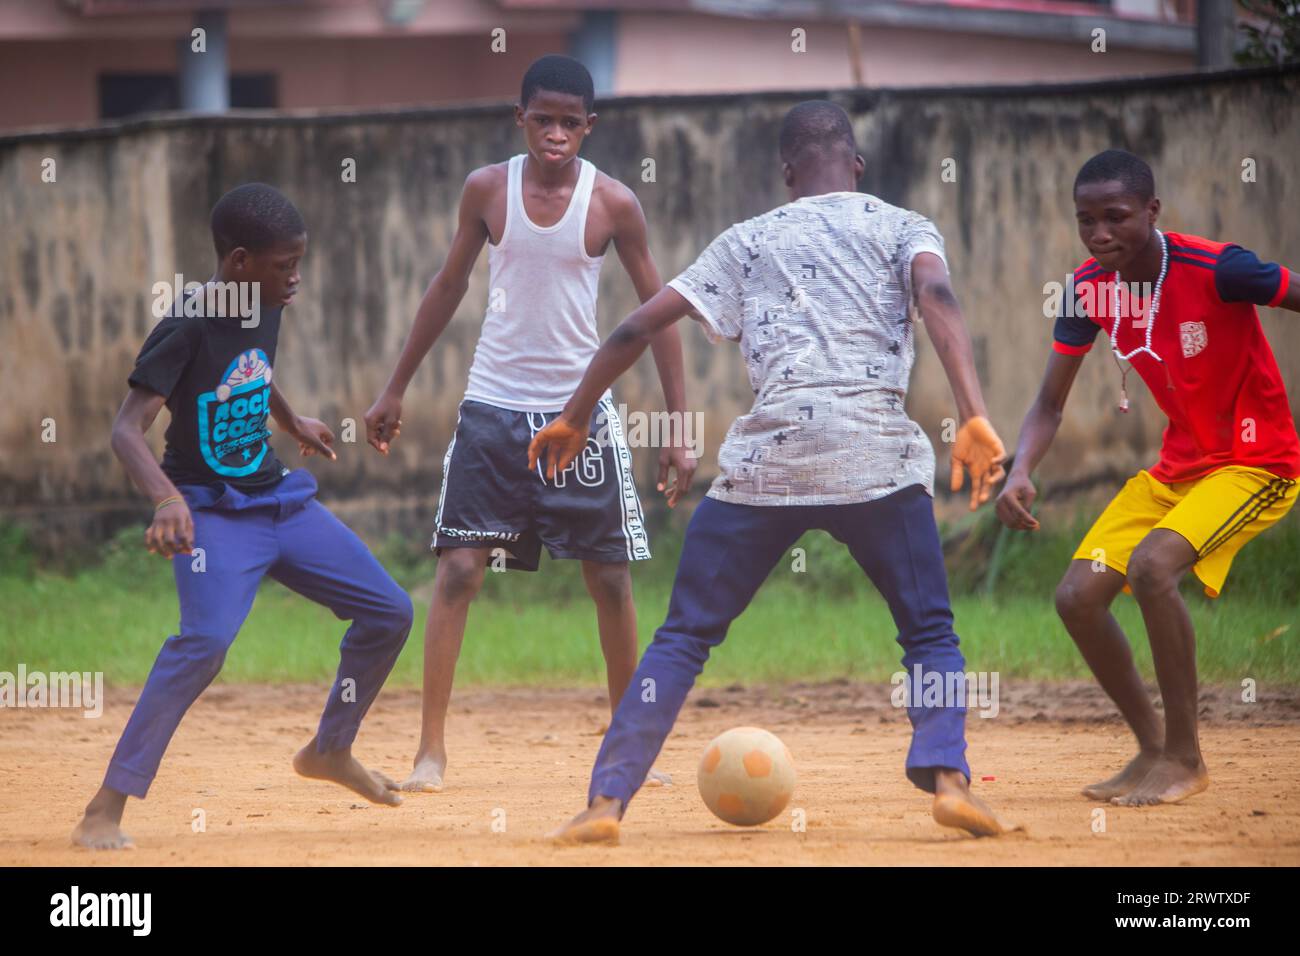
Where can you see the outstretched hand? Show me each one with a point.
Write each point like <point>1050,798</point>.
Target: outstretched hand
<point>560,443</point>
<point>979,450</point>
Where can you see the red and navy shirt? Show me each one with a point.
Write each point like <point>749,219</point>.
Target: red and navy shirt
<point>1218,383</point>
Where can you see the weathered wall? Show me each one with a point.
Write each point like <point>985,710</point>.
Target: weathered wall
<point>78,258</point>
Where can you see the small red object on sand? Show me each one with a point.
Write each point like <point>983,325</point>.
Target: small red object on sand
<point>988,778</point>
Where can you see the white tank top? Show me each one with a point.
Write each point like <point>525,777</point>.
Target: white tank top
<point>539,332</point>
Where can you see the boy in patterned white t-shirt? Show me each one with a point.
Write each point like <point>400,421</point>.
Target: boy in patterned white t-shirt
<point>818,295</point>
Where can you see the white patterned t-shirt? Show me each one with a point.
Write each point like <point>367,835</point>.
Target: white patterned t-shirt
<point>817,293</point>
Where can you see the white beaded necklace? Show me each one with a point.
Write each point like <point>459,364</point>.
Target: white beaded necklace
<point>1152,311</point>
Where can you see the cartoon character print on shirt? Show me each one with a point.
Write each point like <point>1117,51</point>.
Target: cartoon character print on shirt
<point>232,417</point>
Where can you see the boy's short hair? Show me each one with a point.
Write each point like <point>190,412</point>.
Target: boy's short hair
<point>558,74</point>
<point>1118,164</point>
<point>255,216</point>
<point>815,125</point>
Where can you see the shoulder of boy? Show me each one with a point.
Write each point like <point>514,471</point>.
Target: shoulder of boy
<point>619,195</point>
<point>914,221</point>
<point>171,325</point>
<point>485,180</point>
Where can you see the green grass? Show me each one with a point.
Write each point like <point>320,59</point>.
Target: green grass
<point>823,623</point>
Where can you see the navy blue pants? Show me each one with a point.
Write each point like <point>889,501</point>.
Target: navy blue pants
<point>728,552</point>
<point>283,533</point>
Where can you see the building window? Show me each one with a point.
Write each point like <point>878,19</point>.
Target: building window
<point>126,94</point>
<point>254,91</point>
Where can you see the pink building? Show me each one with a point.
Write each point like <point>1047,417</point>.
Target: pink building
<point>76,62</point>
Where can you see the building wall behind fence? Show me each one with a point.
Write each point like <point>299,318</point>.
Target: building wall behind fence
<point>79,257</point>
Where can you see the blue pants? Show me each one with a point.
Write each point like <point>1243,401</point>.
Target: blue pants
<point>284,533</point>
<point>728,552</point>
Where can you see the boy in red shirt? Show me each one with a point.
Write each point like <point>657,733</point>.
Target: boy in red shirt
<point>1228,462</point>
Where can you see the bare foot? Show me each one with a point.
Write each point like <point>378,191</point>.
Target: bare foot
<point>657,778</point>
<point>385,781</point>
<point>101,827</point>
<point>955,806</point>
<point>339,766</point>
<point>98,833</point>
<point>427,775</point>
<point>1168,781</point>
<point>597,824</point>
<point>1125,780</point>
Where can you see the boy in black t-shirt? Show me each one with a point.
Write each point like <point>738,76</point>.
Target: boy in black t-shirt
<point>228,513</point>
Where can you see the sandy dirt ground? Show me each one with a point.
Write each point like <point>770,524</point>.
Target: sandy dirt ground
<point>520,760</point>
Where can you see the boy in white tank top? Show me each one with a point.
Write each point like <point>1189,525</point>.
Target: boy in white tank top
<point>548,217</point>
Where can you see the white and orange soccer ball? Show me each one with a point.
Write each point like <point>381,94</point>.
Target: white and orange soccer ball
<point>746,776</point>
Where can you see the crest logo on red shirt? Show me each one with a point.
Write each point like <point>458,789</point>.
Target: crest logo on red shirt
<point>1193,338</point>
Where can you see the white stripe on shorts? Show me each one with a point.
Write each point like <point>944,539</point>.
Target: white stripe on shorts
<point>446,474</point>
<point>633,528</point>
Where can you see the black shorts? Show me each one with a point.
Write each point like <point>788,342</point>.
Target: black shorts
<point>490,498</point>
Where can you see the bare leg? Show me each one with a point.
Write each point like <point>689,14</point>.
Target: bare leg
<point>1083,601</point>
<point>455,584</point>
<point>1155,569</point>
<point>101,826</point>
<point>610,587</point>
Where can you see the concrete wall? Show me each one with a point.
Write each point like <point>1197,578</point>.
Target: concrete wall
<point>78,258</point>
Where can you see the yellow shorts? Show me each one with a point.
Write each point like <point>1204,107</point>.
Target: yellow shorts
<point>1217,514</point>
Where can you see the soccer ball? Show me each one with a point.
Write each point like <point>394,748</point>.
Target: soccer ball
<point>746,776</point>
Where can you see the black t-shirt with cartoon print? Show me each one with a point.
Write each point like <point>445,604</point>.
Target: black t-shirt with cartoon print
<point>216,377</point>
